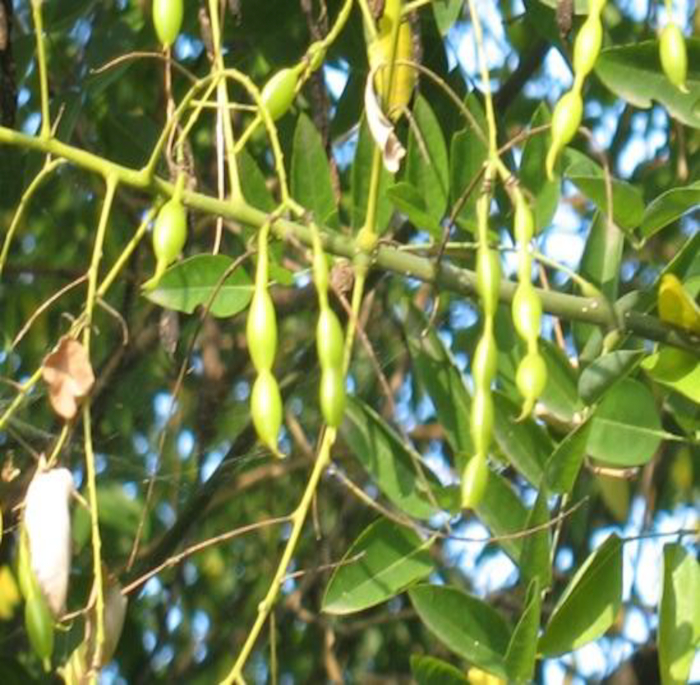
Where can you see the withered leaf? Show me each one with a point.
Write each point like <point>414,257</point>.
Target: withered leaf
<point>69,376</point>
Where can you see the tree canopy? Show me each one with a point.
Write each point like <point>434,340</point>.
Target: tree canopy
<point>367,332</point>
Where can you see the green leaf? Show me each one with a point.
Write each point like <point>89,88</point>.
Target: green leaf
<point>524,443</point>
<point>679,615</point>
<point>522,649</point>
<point>532,170</point>
<point>391,557</point>
<point>360,179</point>
<point>442,380</point>
<point>625,429</point>
<point>468,152</point>
<point>192,282</point>
<point>502,511</point>
<point>253,184</point>
<point>633,72</point>
<point>311,177</point>
<point>407,199</point>
<point>600,265</point>
<point>589,604</point>
<point>669,206</point>
<point>605,371</point>
<point>427,670</point>
<point>560,395</point>
<point>464,624</point>
<point>446,13</point>
<point>628,203</point>
<point>675,369</point>
<point>535,560</point>
<point>387,459</point>
<point>565,461</point>
<point>427,167</point>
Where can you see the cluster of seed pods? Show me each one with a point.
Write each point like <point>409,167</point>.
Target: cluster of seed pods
<point>261,335</point>
<point>485,362</point>
<point>568,112</point>
<point>330,345</point>
<point>531,376</point>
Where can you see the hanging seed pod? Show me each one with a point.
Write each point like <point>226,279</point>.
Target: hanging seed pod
<point>330,341</point>
<point>527,312</point>
<point>474,481</point>
<point>485,362</point>
<point>587,46</point>
<point>531,379</point>
<point>169,235</point>
<point>279,92</point>
<point>266,409</point>
<point>39,624</point>
<point>482,420</point>
<point>332,395</point>
<point>167,20</point>
<point>488,279</point>
<point>674,55</point>
<point>566,119</point>
<point>261,330</point>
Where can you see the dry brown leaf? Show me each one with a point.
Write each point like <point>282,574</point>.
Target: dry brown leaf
<point>68,373</point>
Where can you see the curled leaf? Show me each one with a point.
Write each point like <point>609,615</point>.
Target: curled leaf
<point>677,306</point>
<point>48,526</point>
<point>68,373</point>
<point>382,129</point>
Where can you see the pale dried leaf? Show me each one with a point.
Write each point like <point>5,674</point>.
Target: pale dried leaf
<point>48,525</point>
<point>382,129</point>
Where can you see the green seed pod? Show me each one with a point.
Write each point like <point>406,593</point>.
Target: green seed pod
<point>39,624</point>
<point>524,221</point>
<point>332,396</point>
<point>485,362</point>
<point>527,312</point>
<point>329,340</point>
<point>266,409</point>
<point>587,46</point>
<point>278,93</point>
<point>474,481</point>
<point>261,331</point>
<point>488,279</point>
<point>531,379</point>
<point>27,581</point>
<point>566,119</point>
<point>170,231</point>
<point>674,55</point>
<point>167,20</point>
<point>482,420</point>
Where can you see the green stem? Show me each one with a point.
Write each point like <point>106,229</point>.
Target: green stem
<point>368,18</point>
<point>46,171</point>
<point>222,99</point>
<point>98,586</point>
<point>93,272</point>
<point>445,275</point>
<point>298,518</point>
<point>43,77</point>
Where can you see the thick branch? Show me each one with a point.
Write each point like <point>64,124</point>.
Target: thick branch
<point>445,276</point>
